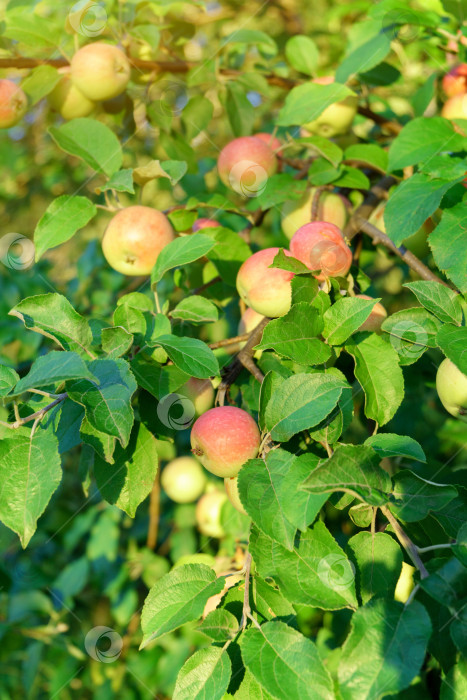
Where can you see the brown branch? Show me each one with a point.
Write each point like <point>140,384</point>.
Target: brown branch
<point>315,202</point>
<point>406,542</point>
<point>412,261</point>
<point>229,341</point>
<point>38,415</point>
<point>242,360</point>
<point>393,127</point>
<point>154,511</point>
<point>206,285</point>
<point>377,193</point>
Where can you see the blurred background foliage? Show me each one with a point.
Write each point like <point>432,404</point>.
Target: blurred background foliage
<point>88,563</point>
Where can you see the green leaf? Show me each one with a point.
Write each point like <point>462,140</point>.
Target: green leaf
<point>447,584</point>
<point>302,54</point>
<point>454,516</point>
<point>219,625</point>
<point>285,663</point>
<point>460,548</point>
<point>411,332</point>
<point>353,469</point>
<point>63,217</point>
<point>287,262</point>
<point>8,379</point>
<point>121,181</point>
<point>306,102</point>
<point>402,219</point>
<point>30,472</point>
<point>423,138</point>
<point>116,341</point>
<point>32,30</point>
<point>52,315</point>
<point>454,684</point>
<point>40,82</point>
<point>196,309</point>
<point>229,253</point>
<point>128,481</point>
<point>177,598</point>
<point>315,573</point>
<point>279,188</point>
<point>252,36</point>
<point>378,559</point>
<point>190,355</point>
<point>416,497</point>
<point>269,602</point>
<point>107,399</point>
<point>295,336</point>
<point>172,170</point>
<point>250,689</point>
<point>345,317</point>
<point>159,381</point>
<point>352,178</point>
<point>321,146</point>
<point>364,57</point>
<point>52,368</point>
<point>91,141</point>
<point>332,427</point>
<point>391,445</point>
<point>453,342</point>
<point>301,402</point>
<point>448,243</point>
<point>196,115</point>
<point>368,153</point>
<point>439,300</point>
<point>130,318</point>
<point>180,251</point>
<point>101,443</point>
<point>378,372</point>
<point>206,674</point>
<point>240,111</point>
<point>259,485</point>
<point>385,661</point>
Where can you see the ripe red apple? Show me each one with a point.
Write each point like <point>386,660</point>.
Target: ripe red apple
<point>266,289</point>
<point>224,438</point>
<point>335,119</point>
<point>451,385</point>
<point>200,392</point>
<point>321,246</point>
<point>376,318</point>
<point>208,513</point>
<point>455,107</point>
<point>231,488</point>
<point>272,141</point>
<point>68,100</point>
<point>297,213</point>
<point>13,104</point>
<point>245,165</point>
<point>204,223</point>
<point>100,71</point>
<point>455,81</point>
<point>183,480</point>
<point>134,238</point>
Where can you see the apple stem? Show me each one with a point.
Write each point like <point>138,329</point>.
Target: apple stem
<point>423,550</point>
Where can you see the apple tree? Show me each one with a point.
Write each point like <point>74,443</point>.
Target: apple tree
<point>233,373</point>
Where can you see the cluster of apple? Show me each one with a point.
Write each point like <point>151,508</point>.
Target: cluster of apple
<point>98,72</point>
<point>454,85</point>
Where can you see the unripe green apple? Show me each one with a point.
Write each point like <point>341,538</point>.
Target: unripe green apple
<point>376,318</point>
<point>455,81</point>
<point>134,238</point>
<point>13,104</point>
<point>296,214</point>
<point>405,583</point>
<point>266,289</point>
<point>200,392</point>
<point>224,438</point>
<point>451,385</point>
<point>183,480</point>
<point>245,165</point>
<point>231,488</point>
<point>335,119</point>
<point>100,71</point>
<point>208,513</point>
<point>68,100</point>
<point>321,246</point>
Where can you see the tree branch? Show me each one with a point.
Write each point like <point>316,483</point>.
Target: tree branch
<point>229,341</point>
<point>393,127</point>
<point>377,193</point>
<point>406,542</point>
<point>38,415</point>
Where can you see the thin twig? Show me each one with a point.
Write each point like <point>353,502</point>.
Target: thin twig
<point>406,542</point>
<point>393,127</point>
<point>246,596</point>
<point>38,415</point>
<point>315,203</point>
<point>431,548</point>
<point>377,193</point>
<point>229,341</point>
<point>206,285</point>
